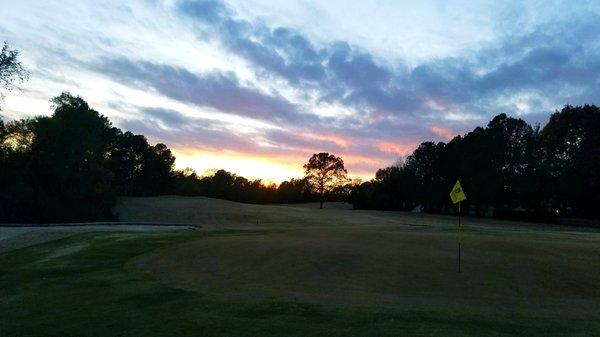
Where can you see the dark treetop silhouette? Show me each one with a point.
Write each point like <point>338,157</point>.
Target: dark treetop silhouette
<point>11,70</point>
<point>324,172</point>
<point>509,169</point>
<point>71,165</point>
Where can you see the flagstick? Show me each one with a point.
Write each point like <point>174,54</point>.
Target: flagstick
<point>459,237</point>
<point>457,195</point>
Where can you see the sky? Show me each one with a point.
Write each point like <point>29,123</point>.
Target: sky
<point>257,86</point>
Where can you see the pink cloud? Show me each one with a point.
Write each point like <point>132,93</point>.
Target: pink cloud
<point>442,132</point>
<point>396,148</point>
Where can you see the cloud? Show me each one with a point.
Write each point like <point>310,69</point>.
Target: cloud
<point>555,57</point>
<point>340,72</point>
<point>210,11</point>
<point>190,132</point>
<point>280,51</point>
<point>168,117</point>
<point>308,142</point>
<point>219,90</point>
<point>181,131</point>
<point>443,132</point>
<point>558,60</point>
<point>301,94</point>
<point>395,148</point>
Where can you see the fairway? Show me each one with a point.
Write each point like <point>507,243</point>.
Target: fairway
<point>293,270</point>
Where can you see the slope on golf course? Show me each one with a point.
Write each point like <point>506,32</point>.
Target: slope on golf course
<point>293,270</point>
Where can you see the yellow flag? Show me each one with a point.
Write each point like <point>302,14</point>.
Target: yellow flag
<point>457,194</point>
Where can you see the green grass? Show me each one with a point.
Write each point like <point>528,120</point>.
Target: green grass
<point>331,273</point>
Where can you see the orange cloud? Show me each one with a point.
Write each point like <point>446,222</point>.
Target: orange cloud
<point>443,132</point>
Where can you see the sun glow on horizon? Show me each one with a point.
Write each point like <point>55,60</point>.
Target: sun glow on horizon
<point>251,167</point>
<point>268,169</point>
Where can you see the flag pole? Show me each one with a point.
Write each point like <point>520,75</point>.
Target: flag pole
<point>459,215</point>
<point>457,195</point>
<point>459,237</point>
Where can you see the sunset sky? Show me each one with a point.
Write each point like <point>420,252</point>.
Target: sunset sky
<point>257,86</point>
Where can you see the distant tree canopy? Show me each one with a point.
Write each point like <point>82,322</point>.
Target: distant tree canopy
<point>507,169</point>
<point>224,185</point>
<point>324,172</point>
<point>229,186</point>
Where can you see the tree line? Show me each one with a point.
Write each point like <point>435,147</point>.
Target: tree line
<point>71,166</point>
<point>507,169</point>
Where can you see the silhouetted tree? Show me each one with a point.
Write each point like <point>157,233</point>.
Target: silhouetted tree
<point>507,168</point>
<point>68,161</point>
<point>324,172</point>
<point>343,191</point>
<point>425,167</point>
<point>139,168</point>
<point>11,69</point>
<point>15,179</point>
<point>70,166</point>
<point>294,190</point>
<point>571,143</point>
